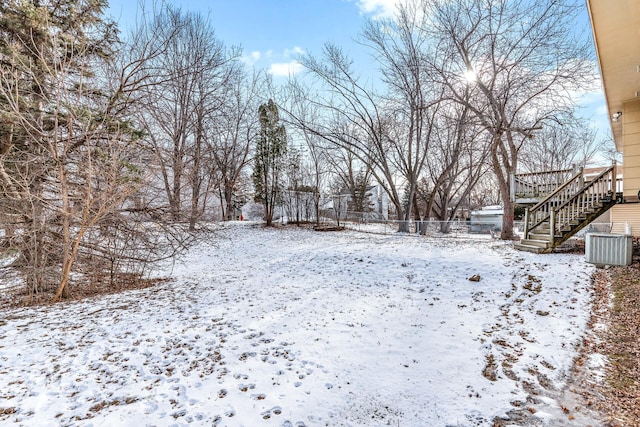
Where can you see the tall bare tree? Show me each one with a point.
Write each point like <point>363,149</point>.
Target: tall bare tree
<point>521,60</point>
<point>457,161</point>
<point>565,145</point>
<point>389,129</point>
<point>182,102</point>
<point>298,115</point>
<point>233,134</point>
<point>412,100</point>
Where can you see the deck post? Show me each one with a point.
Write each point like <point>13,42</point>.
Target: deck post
<point>552,224</point>
<point>526,222</point>
<point>512,186</point>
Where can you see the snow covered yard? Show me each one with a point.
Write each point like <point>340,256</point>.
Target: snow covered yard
<point>290,327</point>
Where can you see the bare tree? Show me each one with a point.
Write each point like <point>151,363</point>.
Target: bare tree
<point>234,131</point>
<point>561,146</point>
<point>521,62</point>
<point>317,164</point>
<point>390,132</point>
<point>299,114</point>
<point>413,102</point>
<point>292,190</point>
<point>179,105</point>
<point>457,161</point>
<point>365,124</point>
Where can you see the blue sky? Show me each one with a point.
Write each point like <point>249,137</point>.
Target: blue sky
<point>273,32</point>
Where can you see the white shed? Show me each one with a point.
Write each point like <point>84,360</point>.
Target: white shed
<point>486,219</point>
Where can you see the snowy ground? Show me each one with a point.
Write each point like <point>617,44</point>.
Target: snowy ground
<point>292,327</point>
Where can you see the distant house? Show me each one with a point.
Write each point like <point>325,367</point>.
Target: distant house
<point>379,200</point>
<point>376,200</point>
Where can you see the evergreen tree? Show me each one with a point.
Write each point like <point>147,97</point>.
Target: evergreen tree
<point>271,150</point>
<point>360,201</point>
<point>65,151</point>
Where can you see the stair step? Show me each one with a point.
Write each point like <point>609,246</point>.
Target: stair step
<point>538,243</point>
<point>540,236</point>
<point>528,248</point>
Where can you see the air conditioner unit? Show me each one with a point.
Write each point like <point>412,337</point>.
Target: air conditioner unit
<point>608,249</point>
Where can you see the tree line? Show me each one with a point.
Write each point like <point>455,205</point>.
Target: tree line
<point>115,150</point>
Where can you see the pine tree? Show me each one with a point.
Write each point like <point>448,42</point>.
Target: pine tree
<point>360,201</point>
<point>271,150</point>
<point>61,146</point>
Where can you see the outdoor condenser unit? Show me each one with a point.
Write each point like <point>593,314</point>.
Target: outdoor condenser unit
<point>608,249</point>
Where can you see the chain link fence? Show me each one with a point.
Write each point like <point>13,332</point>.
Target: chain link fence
<point>438,229</point>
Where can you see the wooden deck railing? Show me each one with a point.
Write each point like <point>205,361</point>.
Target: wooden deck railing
<point>538,184</point>
<point>590,199</point>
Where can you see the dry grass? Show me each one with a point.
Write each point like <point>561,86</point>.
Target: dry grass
<point>616,306</point>
<point>621,345</point>
<point>18,297</point>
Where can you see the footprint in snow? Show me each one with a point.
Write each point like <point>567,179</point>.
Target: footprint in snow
<point>245,387</point>
<point>150,407</point>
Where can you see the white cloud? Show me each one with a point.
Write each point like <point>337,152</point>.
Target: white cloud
<point>252,58</point>
<point>285,69</point>
<point>377,8</point>
<point>297,50</point>
<point>278,64</point>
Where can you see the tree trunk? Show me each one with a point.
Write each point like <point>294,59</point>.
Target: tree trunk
<point>196,179</point>
<point>403,224</point>
<point>508,207</point>
<point>175,201</point>
<point>228,200</point>
<point>405,215</point>
<point>36,254</point>
<point>268,213</point>
<point>504,162</point>
<point>507,217</point>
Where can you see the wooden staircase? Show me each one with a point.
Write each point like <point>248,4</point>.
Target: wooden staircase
<point>567,210</point>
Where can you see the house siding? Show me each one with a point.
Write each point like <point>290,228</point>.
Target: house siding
<point>631,149</point>
<point>612,28</point>
<point>626,213</point>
